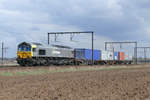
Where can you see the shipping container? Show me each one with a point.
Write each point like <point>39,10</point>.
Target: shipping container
<point>86,54</point>
<point>128,56</point>
<point>116,56</point>
<point>121,56</point>
<point>106,55</point>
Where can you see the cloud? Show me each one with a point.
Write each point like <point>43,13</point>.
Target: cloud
<point>111,20</point>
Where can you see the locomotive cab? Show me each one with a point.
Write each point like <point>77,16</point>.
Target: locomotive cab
<point>24,51</point>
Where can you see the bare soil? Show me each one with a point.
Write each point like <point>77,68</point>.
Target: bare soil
<point>121,84</point>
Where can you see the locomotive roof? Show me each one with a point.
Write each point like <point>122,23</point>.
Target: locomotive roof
<point>45,46</point>
<point>61,46</point>
<point>35,43</point>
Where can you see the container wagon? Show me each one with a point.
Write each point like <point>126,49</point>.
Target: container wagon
<point>84,56</point>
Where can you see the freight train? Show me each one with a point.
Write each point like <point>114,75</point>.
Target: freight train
<point>36,54</point>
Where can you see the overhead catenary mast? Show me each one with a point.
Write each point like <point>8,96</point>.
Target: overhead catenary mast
<point>72,33</point>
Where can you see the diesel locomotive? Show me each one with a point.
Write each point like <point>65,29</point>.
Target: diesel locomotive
<point>36,54</point>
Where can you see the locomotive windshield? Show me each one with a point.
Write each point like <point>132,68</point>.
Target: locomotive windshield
<point>24,48</point>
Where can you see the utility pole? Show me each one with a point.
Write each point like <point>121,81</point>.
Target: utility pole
<point>2,52</point>
<point>145,54</point>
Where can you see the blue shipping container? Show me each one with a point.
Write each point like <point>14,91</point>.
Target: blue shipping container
<point>86,54</point>
<point>116,56</point>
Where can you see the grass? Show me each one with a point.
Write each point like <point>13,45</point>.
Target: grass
<point>23,73</point>
<point>47,71</point>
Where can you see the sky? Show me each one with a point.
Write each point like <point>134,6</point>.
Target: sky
<point>111,20</point>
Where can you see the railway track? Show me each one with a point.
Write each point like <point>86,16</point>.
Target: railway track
<point>15,67</point>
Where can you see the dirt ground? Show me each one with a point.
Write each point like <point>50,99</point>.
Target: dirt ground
<point>120,84</point>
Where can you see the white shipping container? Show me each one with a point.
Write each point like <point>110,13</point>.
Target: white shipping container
<point>110,55</point>
<point>106,55</point>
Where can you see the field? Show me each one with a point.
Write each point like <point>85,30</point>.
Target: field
<point>75,83</point>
